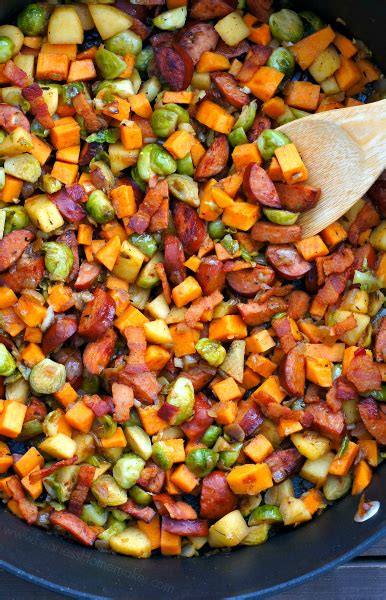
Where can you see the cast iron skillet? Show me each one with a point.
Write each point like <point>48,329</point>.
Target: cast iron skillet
<point>288,559</point>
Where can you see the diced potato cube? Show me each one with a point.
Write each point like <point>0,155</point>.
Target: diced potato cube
<point>157,332</point>
<point>65,26</point>
<point>120,158</point>
<point>158,308</point>
<point>316,471</point>
<point>59,446</point>
<point>132,542</point>
<point>43,213</point>
<point>129,263</point>
<point>355,300</point>
<point>310,444</point>
<point>109,20</point>
<point>232,29</point>
<point>352,337</point>
<point>325,65</point>
<point>294,511</point>
<point>228,531</point>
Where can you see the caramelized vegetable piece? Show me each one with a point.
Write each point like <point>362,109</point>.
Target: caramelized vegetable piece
<point>98,315</point>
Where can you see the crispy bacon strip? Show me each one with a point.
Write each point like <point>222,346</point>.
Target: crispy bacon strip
<point>160,268</point>
<point>143,513</point>
<point>74,525</point>
<point>99,406</point>
<point>196,310</point>
<point>80,491</point>
<point>28,510</point>
<point>344,326</point>
<point>366,218</point>
<point>35,476</point>
<point>364,374</point>
<point>123,400</point>
<point>33,93</point>
<point>338,262</point>
<point>16,75</point>
<point>91,120</point>
<point>152,478</point>
<point>282,328</point>
<point>332,289</point>
<point>136,373</point>
<point>196,527</point>
<point>167,506</point>
<point>150,205</point>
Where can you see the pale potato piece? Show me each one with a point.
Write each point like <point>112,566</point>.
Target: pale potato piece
<point>330,86</point>
<point>325,65</point>
<point>59,446</point>
<point>14,34</point>
<point>351,337</point>
<point>51,98</point>
<point>378,237</point>
<point>294,511</point>
<point>278,492</point>
<point>356,301</point>
<point>158,308</point>
<point>157,332</point>
<point>129,262</point>
<point>84,16</point>
<point>316,471</point>
<point>26,62</point>
<point>43,213</point>
<point>232,29</point>
<point>65,26</point>
<point>120,158</point>
<point>233,365</point>
<point>132,542</point>
<point>228,531</point>
<point>109,20</point>
<point>310,444</point>
<point>17,142</point>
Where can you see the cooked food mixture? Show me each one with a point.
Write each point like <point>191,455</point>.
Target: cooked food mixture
<point>179,369</point>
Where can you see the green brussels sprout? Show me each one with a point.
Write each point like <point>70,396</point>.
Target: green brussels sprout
<point>99,207</point>
<point>162,454</point>
<point>137,179</point>
<point>6,48</point>
<point>216,229</point>
<point>144,169</point>
<point>181,395</point>
<point>126,42</point>
<point>201,461</point>
<point>145,242</point>
<point>185,165</point>
<point>138,441</point>
<point>104,426</point>
<point>313,21</point>
<point>109,64</point>
<point>140,496</point>
<point>367,281</point>
<point>281,217</point>
<point>106,173</point>
<point>151,88</point>
<point>111,454</point>
<point>90,383</point>
<point>212,351</point>
<point>267,513</point>
<point>51,184</point>
<point>61,483</point>
<point>30,430</point>
<point>148,276</point>
<point>144,58</point>
<point>15,218</point>
<point>59,260</point>
<point>184,188</point>
<point>162,162</point>
<point>115,528</point>
<point>211,435</point>
<point>286,117</point>
<point>257,534</point>
<point>33,19</point>
<point>286,26</point>
<point>38,129</point>
<point>107,491</point>
<point>229,457</point>
<point>93,514</point>
<point>24,166</point>
<point>282,60</point>
<point>52,421</point>
<point>336,487</point>
<point>171,19</point>
<point>269,140</point>
<point>237,137</point>
<point>182,113</point>
<point>127,470</point>
<point>47,377</point>
<point>7,362</point>
<point>121,87</point>
<point>247,116</point>
<point>163,122</point>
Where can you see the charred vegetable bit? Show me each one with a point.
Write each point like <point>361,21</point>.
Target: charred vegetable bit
<point>174,357</point>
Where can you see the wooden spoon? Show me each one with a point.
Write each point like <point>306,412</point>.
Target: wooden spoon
<point>345,152</point>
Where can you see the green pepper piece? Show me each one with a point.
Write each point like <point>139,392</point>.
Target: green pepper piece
<point>127,470</point>
<point>126,42</point>
<point>237,137</point>
<point>211,435</point>
<point>163,455</point>
<point>7,362</point>
<point>212,351</point>
<point>281,217</point>
<point>171,19</point>
<point>140,496</point>
<point>286,26</point>
<point>15,218</point>
<point>59,260</point>
<point>265,514</point>
<point>33,19</point>
<point>282,60</point>
<point>6,48</point>
<point>99,207</point>
<point>162,163</point>
<point>109,64</point>
<point>184,188</point>
<point>163,122</point>
<point>269,140</point>
<point>185,165</point>
<point>201,461</point>
<point>247,116</point>
<point>145,242</point>
<point>93,514</point>
<point>216,229</point>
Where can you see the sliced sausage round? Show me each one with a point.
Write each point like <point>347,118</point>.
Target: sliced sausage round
<point>190,228</point>
<point>258,126</point>
<point>97,315</point>
<point>261,9</point>
<point>70,210</point>
<point>58,333</point>
<point>204,10</point>
<point>232,51</point>
<point>26,274</point>
<point>228,87</point>
<point>247,282</point>
<point>284,463</point>
<point>217,499</point>
<point>174,259</point>
<point>276,234</point>
<point>97,354</point>
<point>175,65</point>
<point>298,304</point>
<point>214,160</point>
<point>297,197</point>
<point>287,261</point>
<point>72,361</point>
<point>292,372</point>
<point>12,247</point>
<point>210,275</point>
<point>88,274</point>
<point>197,39</point>
<point>259,188</point>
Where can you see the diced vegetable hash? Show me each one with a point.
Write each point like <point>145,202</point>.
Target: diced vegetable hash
<point>176,362</point>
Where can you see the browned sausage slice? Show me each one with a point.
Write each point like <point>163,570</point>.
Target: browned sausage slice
<point>259,125</point>
<point>259,188</point>
<point>198,38</point>
<point>331,424</point>
<point>228,87</point>
<point>97,354</point>
<point>373,416</point>
<point>260,9</point>
<point>257,57</point>
<point>380,342</point>
<point>287,261</point>
<point>97,315</point>
<point>175,65</point>
<point>276,234</point>
<point>12,247</point>
<point>284,463</point>
<point>298,304</point>
<point>174,259</point>
<point>26,274</point>
<point>88,274</point>
<point>58,333</point>
<point>217,499</point>
<point>293,373</point>
<point>69,209</point>
<point>210,275</point>
<point>214,160</point>
<point>248,282</point>
<point>232,51</point>
<point>203,10</point>
<point>298,197</point>
<point>190,228</point>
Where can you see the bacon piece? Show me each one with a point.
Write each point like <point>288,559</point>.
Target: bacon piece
<point>28,510</point>
<point>332,289</point>
<point>251,420</point>
<point>16,75</point>
<point>12,117</point>
<point>160,220</point>
<point>278,291</point>
<point>332,400</point>
<point>152,478</point>
<point>380,342</point>
<point>340,328</point>
<point>338,262</point>
<point>364,373</point>
<point>123,400</point>
<point>74,525</point>
<point>150,205</point>
<point>136,372</point>
<point>82,107</point>
<point>143,513</point>
<point>373,416</point>
<point>312,394</point>
<point>99,406</point>
<point>283,330</point>
<point>168,412</point>
<point>76,192</point>
<point>345,390</point>
<point>196,310</point>
<point>366,218</point>
<point>36,410</point>
<point>80,491</point>
<point>254,313</point>
<point>36,475</point>
<point>160,268</point>
<point>181,511</point>
<point>330,424</point>
<point>200,376</point>
<point>183,527</point>
<point>33,93</point>
<point>195,428</point>
<point>284,463</point>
